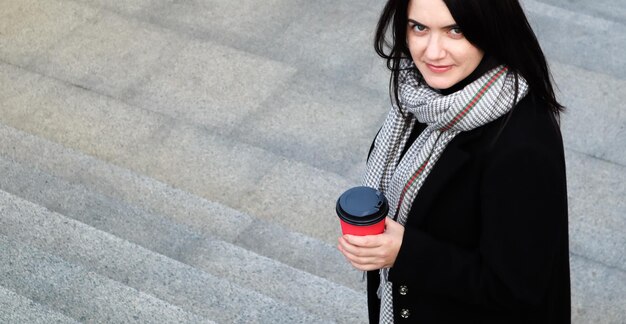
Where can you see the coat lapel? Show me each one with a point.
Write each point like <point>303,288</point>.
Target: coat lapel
<point>452,159</point>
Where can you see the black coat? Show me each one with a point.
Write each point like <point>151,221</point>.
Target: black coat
<point>486,240</point>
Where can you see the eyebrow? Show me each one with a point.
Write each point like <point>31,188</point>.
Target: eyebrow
<point>445,27</point>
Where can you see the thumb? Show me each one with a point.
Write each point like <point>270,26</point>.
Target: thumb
<point>390,224</point>
<point>387,220</point>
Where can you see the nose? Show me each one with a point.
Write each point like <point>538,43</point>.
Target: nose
<point>434,48</point>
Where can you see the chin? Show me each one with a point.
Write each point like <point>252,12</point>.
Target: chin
<point>438,83</point>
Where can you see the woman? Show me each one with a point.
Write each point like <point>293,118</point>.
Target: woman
<point>471,160</point>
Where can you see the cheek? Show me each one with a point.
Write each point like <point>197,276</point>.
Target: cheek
<point>416,48</point>
<point>471,56</point>
<point>465,61</point>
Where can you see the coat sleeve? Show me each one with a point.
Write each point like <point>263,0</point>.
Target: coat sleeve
<point>523,217</point>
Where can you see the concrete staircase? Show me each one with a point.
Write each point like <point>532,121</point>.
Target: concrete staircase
<point>118,256</point>
<point>114,206</point>
<point>161,162</point>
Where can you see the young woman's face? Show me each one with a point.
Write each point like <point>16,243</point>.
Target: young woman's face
<point>437,45</point>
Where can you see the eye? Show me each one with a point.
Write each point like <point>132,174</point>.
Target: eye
<point>418,27</point>
<point>456,31</point>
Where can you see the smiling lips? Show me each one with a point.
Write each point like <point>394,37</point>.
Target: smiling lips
<point>439,68</point>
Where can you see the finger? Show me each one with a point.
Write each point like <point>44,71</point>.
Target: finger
<point>390,223</point>
<point>367,241</point>
<point>363,252</point>
<point>360,255</point>
<point>345,244</point>
<point>367,262</point>
<point>394,230</point>
<point>365,267</point>
<point>348,248</point>
<point>359,262</point>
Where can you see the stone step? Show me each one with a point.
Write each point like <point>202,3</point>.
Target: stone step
<point>17,309</point>
<point>584,41</point>
<point>183,155</point>
<point>182,243</point>
<point>607,9</point>
<point>598,292</point>
<point>77,292</point>
<point>594,120</point>
<point>98,252</point>
<point>276,241</point>
<point>149,63</point>
<point>597,209</point>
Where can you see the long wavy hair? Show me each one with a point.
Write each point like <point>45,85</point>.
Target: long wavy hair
<point>498,27</point>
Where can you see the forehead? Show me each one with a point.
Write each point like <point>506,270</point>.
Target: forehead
<point>431,13</point>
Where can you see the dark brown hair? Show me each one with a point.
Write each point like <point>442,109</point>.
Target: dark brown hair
<point>498,27</point>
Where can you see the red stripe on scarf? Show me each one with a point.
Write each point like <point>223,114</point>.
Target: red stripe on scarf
<point>409,183</point>
<point>475,99</point>
<point>481,92</point>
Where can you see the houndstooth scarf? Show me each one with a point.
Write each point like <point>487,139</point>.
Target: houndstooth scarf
<point>480,102</point>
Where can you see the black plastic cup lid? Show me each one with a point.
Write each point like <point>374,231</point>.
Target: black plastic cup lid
<point>362,206</point>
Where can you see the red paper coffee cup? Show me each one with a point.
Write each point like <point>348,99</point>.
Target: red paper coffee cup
<point>362,211</point>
